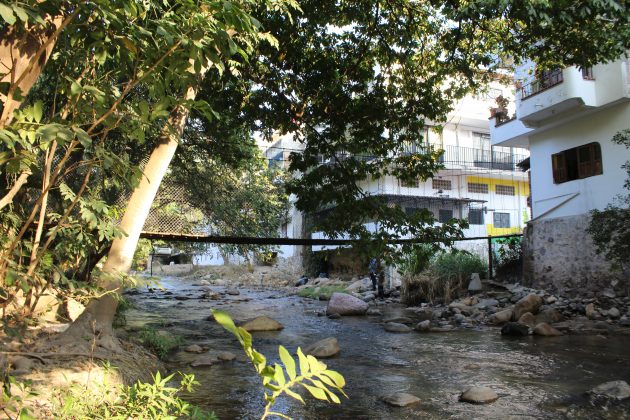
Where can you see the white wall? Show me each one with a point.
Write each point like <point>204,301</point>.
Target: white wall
<point>584,194</point>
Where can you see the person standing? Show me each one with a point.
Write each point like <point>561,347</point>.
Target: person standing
<point>381,283</point>
<point>372,269</point>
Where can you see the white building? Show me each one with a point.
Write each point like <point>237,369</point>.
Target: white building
<point>567,118</point>
<point>480,182</point>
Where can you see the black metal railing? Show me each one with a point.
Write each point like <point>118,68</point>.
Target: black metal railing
<point>481,158</point>
<point>543,81</point>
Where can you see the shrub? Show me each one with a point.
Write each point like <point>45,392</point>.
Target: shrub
<point>510,258</point>
<point>160,343</point>
<point>150,400</point>
<point>417,260</point>
<point>445,278</point>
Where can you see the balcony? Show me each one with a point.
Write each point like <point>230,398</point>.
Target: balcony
<point>469,157</point>
<point>455,156</point>
<point>546,81</point>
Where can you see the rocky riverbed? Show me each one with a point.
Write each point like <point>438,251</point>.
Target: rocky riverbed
<point>429,361</point>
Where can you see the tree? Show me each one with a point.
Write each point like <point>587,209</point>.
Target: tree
<point>610,228</point>
<point>350,79</point>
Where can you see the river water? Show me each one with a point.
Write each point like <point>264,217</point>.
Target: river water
<point>535,377</point>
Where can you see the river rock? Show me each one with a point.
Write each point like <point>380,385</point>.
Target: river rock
<point>334,316</point>
<point>233,291</point>
<point>465,309</point>
<point>514,328</point>
<point>328,347</point>
<point>475,283</point>
<point>395,327</point>
<point>527,319</point>
<point>614,390</point>
<point>401,399</point>
<point>589,310</point>
<point>609,293</point>
<point>550,316</point>
<point>374,312</point>
<point>546,330</point>
<point>399,320</point>
<point>204,361</point>
<point>486,303</point>
<point>194,348</point>
<point>614,313</point>
<point>345,304</point>
<point>501,317</point>
<point>226,356</point>
<point>423,326</point>
<point>21,364</point>
<point>530,303</point>
<point>479,395</point>
<point>262,323</point>
<point>360,286</point>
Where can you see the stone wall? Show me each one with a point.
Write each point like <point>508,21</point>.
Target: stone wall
<point>559,256</point>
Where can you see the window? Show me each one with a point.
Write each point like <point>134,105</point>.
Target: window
<point>577,163</point>
<point>501,220</point>
<point>441,184</point>
<point>477,188</point>
<point>475,216</point>
<point>410,211</point>
<point>445,215</point>
<point>505,190</point>
<point>587,73</point>
<point>410,183</point>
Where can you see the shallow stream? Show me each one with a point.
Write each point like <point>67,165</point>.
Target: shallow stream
<point>534,377</point>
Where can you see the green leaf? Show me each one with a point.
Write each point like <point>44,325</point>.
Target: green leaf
<point>37,111</point>
<point>287,361</point>
<point>336,377</point>
<point>294,395</point>
<point>279,375</point>
<point>7,14</point>
<point>304,367</point>
<point>225,321</point>
<point>316,392</point>
<point>75,88</point>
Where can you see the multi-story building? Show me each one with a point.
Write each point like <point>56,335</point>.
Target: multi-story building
<point>480,182</point>
<point>567,118</point>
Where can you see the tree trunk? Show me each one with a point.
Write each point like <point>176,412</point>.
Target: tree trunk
<point>99,314</point>
<point>23,54</point>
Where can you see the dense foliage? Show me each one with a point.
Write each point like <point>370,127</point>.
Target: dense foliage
<point>610,228</point>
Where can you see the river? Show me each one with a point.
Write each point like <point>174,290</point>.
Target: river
<point>535,377</point>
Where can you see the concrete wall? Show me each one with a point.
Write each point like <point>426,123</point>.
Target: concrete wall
<point>559,255</point>
<point>581,195</point>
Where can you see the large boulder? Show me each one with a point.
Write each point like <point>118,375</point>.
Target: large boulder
<point>360,286</point>
<point>546,330</point>
<point>550,316</point>
<point>501,317</point>
<point>515,329</point>
<point>530,303</point>
<point>475,283</point>
<point>328,347</point>
<point>345,304</point>
<point>613,390</point>
<point>262,323</point>
<point>401,399</point>
<point>528,319</point>
<point>479,395</point>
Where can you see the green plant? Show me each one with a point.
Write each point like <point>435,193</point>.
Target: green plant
<point>14,395</point>
<point>610,228</point>
<point>123,306</point>
<point>161,343</point>
<point>509,257</point>
<point>280,379</point>
<point>321,292</point>
<point>416,260</point>
<point>142,400</point>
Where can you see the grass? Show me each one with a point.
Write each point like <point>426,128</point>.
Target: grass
<point>160,344</point>
<point>321,292</point>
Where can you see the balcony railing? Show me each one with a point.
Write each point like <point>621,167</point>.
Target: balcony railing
<point>466,157</point>
<point>481,158</point>
<point>543,82</point>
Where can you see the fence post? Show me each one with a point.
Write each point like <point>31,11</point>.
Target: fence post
<point>490,268</point>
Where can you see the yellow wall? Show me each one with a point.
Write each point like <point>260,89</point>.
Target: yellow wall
<point>520,187</point>
<point>492,231</point>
